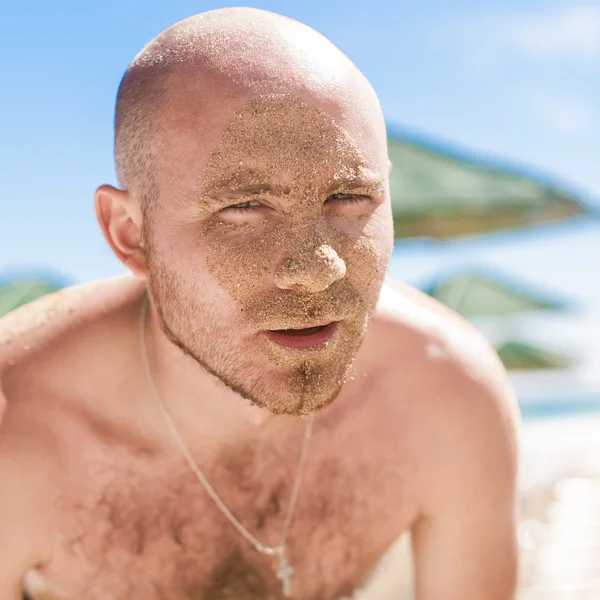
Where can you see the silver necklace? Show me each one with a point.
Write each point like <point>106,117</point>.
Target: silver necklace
<point>284,571</point>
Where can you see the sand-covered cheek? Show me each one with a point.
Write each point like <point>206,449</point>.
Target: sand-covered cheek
<point>365,258</point>
<point>243,258</point>
<point>239,257</point>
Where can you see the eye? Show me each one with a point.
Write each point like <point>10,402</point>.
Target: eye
<point>242,206</point>
<point>348,198</point>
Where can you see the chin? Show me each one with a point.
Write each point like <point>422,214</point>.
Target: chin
<point>300,393</point>
<point>295,407</point>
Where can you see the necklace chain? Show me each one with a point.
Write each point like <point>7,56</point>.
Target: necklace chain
<point>279,550</point>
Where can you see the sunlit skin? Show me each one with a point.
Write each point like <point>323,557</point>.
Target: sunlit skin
<point>257,203</point>
<point>316,254</point>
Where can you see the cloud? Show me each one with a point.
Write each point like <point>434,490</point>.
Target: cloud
<point>567,34</point>
<point>542,60</point>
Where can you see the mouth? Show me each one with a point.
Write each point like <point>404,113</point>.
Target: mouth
<point>303,337</point>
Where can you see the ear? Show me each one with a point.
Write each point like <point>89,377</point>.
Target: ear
<point>389,166</point>
<point>120,219</point>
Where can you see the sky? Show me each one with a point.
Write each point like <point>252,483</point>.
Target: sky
<point>514,80</point>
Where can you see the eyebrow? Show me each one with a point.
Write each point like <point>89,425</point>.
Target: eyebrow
<point>236,187</point>
<point>233,189</point>
<point>367,181</point>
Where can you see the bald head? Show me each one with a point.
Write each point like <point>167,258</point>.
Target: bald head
<point>257,153</point>
<point>223,54</point>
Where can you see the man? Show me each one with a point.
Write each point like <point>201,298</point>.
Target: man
<point>252,414</point>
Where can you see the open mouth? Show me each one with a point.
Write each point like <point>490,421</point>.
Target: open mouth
<point>306,337</point>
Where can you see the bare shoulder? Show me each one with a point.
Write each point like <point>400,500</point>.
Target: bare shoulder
<point>39,323</point>
<point>452,364</point>
<point>453,392</point>
<point>36,339</point>
<point>42,341</point>
<point>40,346</point>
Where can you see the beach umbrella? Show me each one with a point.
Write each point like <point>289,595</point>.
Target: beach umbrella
<point>17,291</point>
<point>518,355</point>
<point>439,193</point>
<point>502,302</point>
<point>481,294</point>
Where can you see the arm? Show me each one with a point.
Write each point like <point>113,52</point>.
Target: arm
<point>12,546</point>
<point>20,525</point>
<point>465,539</point>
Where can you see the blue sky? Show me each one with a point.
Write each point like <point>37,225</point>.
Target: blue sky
<point>515,80</point>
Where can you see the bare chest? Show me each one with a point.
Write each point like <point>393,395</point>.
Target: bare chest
<point>146,531</point>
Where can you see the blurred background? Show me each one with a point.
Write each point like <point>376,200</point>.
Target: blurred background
<point>493,113</point>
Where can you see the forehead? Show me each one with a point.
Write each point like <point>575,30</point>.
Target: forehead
<point>271,136</point>
<point>278,137</point>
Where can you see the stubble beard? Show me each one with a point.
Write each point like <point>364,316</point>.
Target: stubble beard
<point>310,386</point>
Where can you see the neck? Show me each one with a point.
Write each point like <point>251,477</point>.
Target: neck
<point>201,406</point>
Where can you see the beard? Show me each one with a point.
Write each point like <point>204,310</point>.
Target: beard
<point>281,382</point>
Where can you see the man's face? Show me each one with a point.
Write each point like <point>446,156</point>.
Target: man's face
<point>280,222</point>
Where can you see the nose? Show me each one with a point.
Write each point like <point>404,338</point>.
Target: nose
<point>313,270</point>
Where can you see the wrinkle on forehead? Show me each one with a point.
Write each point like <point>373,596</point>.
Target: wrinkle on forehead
<point>196,118</point>
<point>280,143</point>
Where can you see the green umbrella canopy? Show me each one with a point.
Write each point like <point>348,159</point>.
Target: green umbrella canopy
<point>519,355</point>
<point>441,194</point>
<point>474,294</point>
<point>16,291</point>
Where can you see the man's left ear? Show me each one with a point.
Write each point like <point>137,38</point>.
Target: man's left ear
<point>389,166</point>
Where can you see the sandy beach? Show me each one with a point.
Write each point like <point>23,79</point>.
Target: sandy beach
<point>559,532</point>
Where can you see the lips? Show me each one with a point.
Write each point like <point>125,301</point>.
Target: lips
<point>306,337</point>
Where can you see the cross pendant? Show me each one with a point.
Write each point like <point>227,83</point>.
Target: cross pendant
<point>284,573</point>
